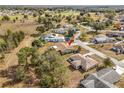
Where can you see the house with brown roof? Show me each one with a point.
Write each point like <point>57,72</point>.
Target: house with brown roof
<point>81,61</point>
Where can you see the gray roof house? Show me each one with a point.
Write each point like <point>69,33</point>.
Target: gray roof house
<point>64,48</point>
<point>54,38</point>
<point>104,78</point>
<point>118,48</point>
<point>103,39</point>
<point>60,30</point>
<point>115,33</point>
<point>84,62</point>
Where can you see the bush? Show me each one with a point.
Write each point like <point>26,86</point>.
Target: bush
<point>5,18</point>
<point>37,43</point>
<point>108,62</point>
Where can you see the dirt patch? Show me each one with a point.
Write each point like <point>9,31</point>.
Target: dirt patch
<point>120,84</point>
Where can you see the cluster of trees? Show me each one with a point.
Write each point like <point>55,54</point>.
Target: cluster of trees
<point>101,25</point>
<point>10,40</point>
<point>5,18</point>
<point>110,14</point>
<point>48,22</point>
<point>83,36</point>
<point>107,63</point>
<point>49,67</point>
<point>38,43</point>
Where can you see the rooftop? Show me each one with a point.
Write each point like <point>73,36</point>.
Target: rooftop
<point>86,61</point>
<point>104,78</point>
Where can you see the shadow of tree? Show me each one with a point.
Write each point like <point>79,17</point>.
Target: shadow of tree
<point>71,68</point>
<point>10,75</point>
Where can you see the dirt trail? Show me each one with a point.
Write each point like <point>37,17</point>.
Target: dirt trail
<point>11,59</point>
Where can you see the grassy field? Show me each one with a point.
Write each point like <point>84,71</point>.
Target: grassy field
<point>28,27</point>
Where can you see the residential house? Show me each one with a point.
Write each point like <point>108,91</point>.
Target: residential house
<point>104,78</point>
<point>54,38</point>
<point>81,61</point>
<point>115,33</point>
<point>64,48</point>
<point>67,25</point>
<point>102,39</point>
<point>60,30</point>
<point>118,48</point>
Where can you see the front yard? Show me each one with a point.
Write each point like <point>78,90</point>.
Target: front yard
<point>106,49</point>
<point>120,84</point>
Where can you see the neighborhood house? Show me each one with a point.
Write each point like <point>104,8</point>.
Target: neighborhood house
<point>102,39</point>
<point>60,30</point>
<point>118,48</point>
<point>64,48</point>
<point>81,61</point>
<point>54,38</point>
<point>104,78</point>
<point>115,33</point>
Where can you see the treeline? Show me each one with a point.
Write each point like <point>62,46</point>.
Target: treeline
<point>10,40</point>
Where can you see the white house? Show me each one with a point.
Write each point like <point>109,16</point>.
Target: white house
<point>54,38</point>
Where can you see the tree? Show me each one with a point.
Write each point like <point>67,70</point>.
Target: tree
<point>14,20</point>
<point>25,16</point>
<point>108,62</point>
<point>39,20</point>
<point>89,21</point>
<point>23,54</point>
<point>37,43</point>
<point>110,14</point>
<point>34,15</point>
<point>3,45</point>
<point>108,23</point>
<point>82,13</point>
<point>83,36</point>
<point>5,18</point>
<point>98,26</point>
<point>20,74</point>
<point>41,29</point>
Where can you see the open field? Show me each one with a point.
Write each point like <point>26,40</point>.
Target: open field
<point>29,27</point>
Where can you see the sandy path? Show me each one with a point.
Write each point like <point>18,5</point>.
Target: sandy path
<point>11,58</point>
